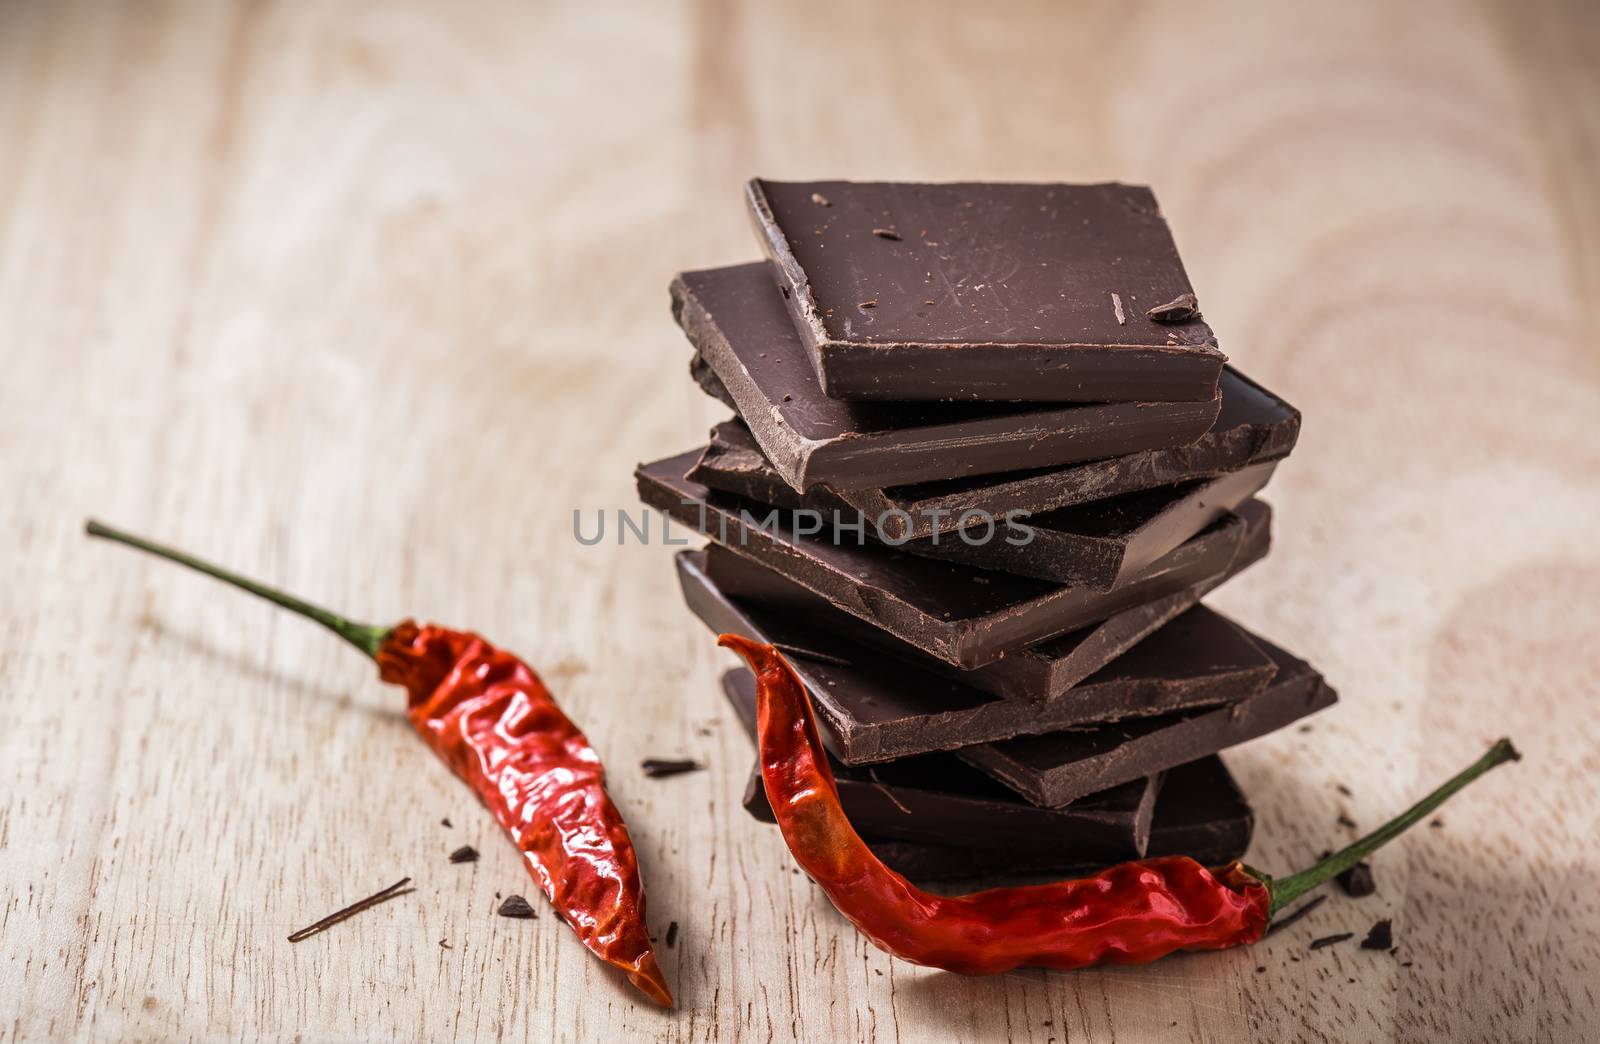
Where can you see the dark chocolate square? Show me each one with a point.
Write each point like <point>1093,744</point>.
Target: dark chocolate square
<point>906,291</point>
<point>738,327</point>
<point>937,799</point>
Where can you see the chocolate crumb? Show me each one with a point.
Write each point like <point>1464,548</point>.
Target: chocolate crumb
<point>672,934</point>
<point>1436,822</point>
<point>820,200</point>
<point>445,822</point>
<point>1177,310</point>
<point>1406,964</point>
<point>1345,821</point>
<point>1260,968</point>
<point>464,854</point>
<point>516,906</point>
<point>868,304</point>
<point>1341,788</point>
<point>659,768</point>
<point>1358,882</point>
<point>1330,940</point>
<point>1380,937</point>
<point>886,233</point>
<point>1304,728</point>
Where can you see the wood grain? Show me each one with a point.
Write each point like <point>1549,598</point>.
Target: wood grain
<point>368,298</point>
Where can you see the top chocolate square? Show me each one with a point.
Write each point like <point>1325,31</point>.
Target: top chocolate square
<point>1063,293</point>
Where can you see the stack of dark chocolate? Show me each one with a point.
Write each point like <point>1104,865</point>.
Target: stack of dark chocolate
<point>987,462</point>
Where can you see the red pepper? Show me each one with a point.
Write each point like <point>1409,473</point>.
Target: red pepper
<point>1127,914</point>
<point>491,719</point>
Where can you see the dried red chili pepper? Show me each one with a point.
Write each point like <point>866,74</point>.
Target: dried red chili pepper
<point>491,719</point>
<point>1127,914</point>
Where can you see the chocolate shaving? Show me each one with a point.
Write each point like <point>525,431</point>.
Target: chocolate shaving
<point>885,791</point>
<point>445,822</point>
<point>1330,940</point>
<point>811,654</point>
<point>445,946</point>
<point>396,889</point>
<point>886,233</point>
<point>1177,310</point>
<point>1299,913</point>
<point>672,935</point>
<point>820,200</point>
<point>868,304</point>
<point>516,906</point>
<point>1380,936</point>
<point>464,854</point>
<point>659,768</point>
<point>1116,306</point>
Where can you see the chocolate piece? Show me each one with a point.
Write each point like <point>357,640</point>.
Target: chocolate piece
<point>1200,813</point>
<point>1096,545</point>
<point>1358,882</point>
<point>1038,672</point>
<point>1106,543</point>
<point>1054,769</point>
<point>1380,936</point>
<point>1179,309</point>
<point>464,854</point>
<point>1253,427</point>
<point>661,768</point>
<point>919,599</point>
<point>1331,940</point>
<point>518,907</point>
<point>879,708</point>
<point>738,326</point>
<point>984,291</point>
<point>936,799</point>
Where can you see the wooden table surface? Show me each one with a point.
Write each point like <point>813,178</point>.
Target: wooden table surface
<point>367,299</point>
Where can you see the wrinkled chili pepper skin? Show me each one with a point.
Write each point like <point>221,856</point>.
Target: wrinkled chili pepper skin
<point>491,719</point>
<point>1128,914</point>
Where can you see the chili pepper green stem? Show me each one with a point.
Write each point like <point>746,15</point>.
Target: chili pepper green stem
<point>365,637</point>
<point>1286,890</point>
